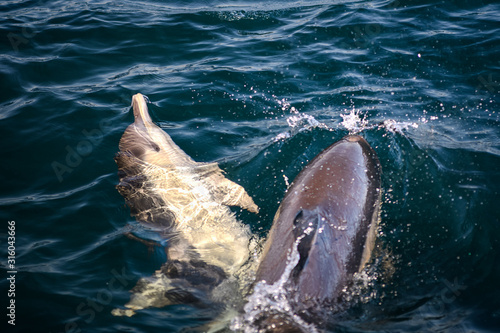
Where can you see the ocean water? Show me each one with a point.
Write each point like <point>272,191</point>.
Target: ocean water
<point>260,87</point>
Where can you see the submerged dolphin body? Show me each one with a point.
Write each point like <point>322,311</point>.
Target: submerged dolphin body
<point>323,232</point>
<point>186,202</point>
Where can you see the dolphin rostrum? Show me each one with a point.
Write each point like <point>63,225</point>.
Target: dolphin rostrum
<point>186,202</point>
<point>322,234</point>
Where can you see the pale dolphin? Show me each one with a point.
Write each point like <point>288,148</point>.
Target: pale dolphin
<point>187,203</point>
<point>322,234</point>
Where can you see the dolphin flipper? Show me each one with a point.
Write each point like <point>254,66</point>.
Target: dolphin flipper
<point>229,193</point>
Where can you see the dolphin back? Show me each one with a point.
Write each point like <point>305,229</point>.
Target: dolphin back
<point>328,220</point>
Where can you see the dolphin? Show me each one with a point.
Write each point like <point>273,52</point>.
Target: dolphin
<point>186,203</point>
<point>322,234</point>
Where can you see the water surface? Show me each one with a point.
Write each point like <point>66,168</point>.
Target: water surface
<point>260,87</point>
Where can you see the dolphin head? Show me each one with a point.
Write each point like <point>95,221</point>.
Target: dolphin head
<point>140,107</point>
<point>145,141</point>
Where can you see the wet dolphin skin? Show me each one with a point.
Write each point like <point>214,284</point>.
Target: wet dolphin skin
<point>323,232</point>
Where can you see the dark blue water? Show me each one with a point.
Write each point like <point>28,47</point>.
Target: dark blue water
<point>260,87</point>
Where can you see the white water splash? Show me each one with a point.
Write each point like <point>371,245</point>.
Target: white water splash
<point>299,122</point>
<point>353,122</point>
<point>286,181</point>
<point>398,127</point>
<point>271,298</point>
<point>362,288</point>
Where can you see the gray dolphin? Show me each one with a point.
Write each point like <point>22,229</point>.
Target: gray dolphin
<point>186,202</point>
<point>322,234</point>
